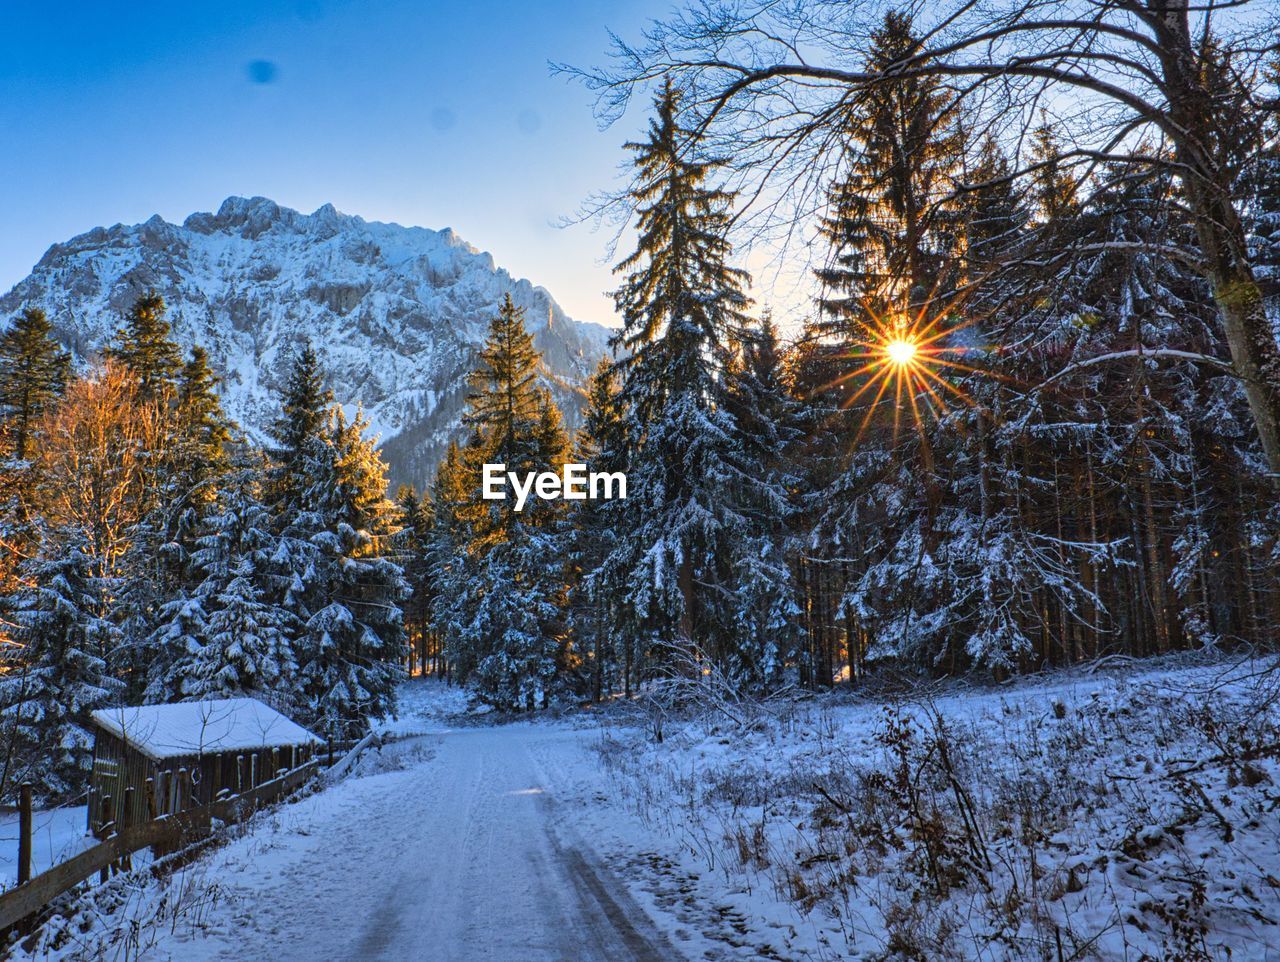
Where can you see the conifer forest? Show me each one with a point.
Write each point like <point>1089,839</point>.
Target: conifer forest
<point>943,385</point>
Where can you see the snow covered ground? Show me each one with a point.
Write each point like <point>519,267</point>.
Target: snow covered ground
<point>1132,815</point>
<point>57,834</point>
<point>426,705</point>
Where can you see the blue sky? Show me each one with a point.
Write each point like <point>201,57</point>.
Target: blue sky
<point>435,114</point>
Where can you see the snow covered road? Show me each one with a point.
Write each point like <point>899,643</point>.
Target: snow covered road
<point>464,855</point>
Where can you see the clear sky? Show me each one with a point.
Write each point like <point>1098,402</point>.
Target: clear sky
<point>421,112</point>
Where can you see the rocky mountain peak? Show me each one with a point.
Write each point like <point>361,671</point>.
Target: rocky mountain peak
<point>397,313</point>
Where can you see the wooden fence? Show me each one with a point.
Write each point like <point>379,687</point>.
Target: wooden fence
<point>166,833</point>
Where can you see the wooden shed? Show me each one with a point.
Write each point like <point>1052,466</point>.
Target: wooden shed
<point>176,757</point>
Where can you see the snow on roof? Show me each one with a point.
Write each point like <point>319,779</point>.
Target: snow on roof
<point>196,727</point>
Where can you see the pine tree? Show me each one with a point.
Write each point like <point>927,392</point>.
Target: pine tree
<point>159,608</point>
<point>601,441</point>
<point>504,385</point>
<point>891,227</point>
<point>679,301</point>
<point>505,409</point>
<point>167,639</point>
<point>332,564</point>
<point>505,627</point>
<point>905,252</point>
<point>229,637</point>
<point>178,456</point>
<point>896,269</point>
<point>33,373</point>
<point>601,445</point>
<point>510,625</point>
<point>767,427</point>
<point>192,466</point>
<point>300,426</point>
<point>1261,188</point>
<point>679,295</point>
<point>45,704</point>
<point>351,649</point>
<point>450,565</point>
<point>993,214</point>
<point>416,519</point>
<point>203,430</point>
<point>1265,224</point>
<point>1054,188</point>
<point>144,346</point>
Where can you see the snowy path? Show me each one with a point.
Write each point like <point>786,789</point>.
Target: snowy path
<point>467,855</point>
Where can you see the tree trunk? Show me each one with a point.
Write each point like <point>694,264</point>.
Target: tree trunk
<point>685,581</point>
<point>1155,574</point>
<point>1255,354</point>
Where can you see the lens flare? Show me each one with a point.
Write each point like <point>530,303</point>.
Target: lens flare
<point>903,363</point>
<point>900,351</point>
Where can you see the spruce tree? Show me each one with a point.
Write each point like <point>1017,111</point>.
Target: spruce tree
<point>504,409</point>
<point>415,519</point>
<point>503,590</point>
<point>144,346</point>
<point>333,564</point>
<point>450,565</point>
<point>601,445</point>
<point>33,373</point>
<point>59,619</point>
<point>679,295</point>
<point>228,637</point>
<point>1053,186</point>
<point>898,259</point>
<point>351,648</point>
<point>767,426</point>
<point>1261,187</point>
<point>300,426</point>
<point>159,605</point>
<point>679,301</point>
<point>890,227</point>
<point>993,211</point>
<point>203,430</point>
<point>512,624</point>
<point>178,627</point>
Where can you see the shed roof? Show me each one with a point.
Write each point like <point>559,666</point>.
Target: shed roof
<point>201,727</point>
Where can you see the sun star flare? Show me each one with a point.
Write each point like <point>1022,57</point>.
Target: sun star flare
<point>904,366</point>
<point>900,351</point>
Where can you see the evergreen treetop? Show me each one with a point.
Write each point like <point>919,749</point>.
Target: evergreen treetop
<point>889,230</point>
<point>301,424</point>
<point>199,408</point>
<point>505,399</point>
<point>679,295</point>
<point>33,373</point>
<point>144,346</point>
<point>513,422</point>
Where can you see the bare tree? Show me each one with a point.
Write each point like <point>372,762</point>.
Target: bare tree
<point>1136,84</point>
<point>98,442</point>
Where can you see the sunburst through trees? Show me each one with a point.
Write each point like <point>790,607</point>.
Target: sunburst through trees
<point>904,365</point>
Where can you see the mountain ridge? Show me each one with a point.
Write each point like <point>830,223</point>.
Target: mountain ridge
<point>396,312</point>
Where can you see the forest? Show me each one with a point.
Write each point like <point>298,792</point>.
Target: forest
<point>1032,418</point>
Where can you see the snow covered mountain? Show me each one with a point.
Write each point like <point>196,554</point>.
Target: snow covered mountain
<point>395,312</point>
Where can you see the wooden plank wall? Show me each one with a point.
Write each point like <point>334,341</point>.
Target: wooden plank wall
<point>176,784</point>
<point>167,832</point>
